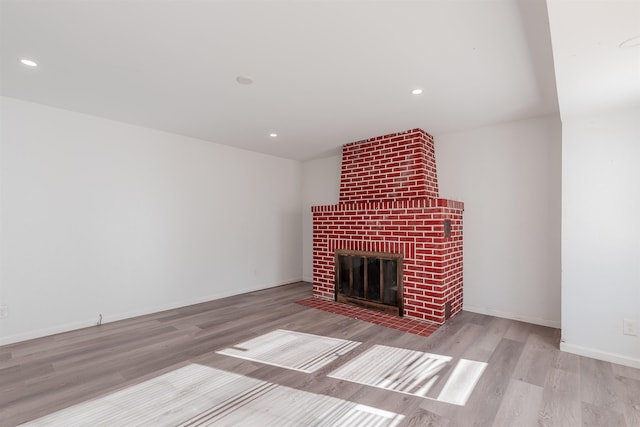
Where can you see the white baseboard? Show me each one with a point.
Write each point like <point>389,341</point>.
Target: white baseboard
<point>594,353</point>
<point>307,279</point>
<point>45,332</point>
<point>108,318</point>
<point>512,316</point>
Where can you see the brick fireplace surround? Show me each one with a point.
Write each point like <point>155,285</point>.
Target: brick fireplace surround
<point>389,203</point>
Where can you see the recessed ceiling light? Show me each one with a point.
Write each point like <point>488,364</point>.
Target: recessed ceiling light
<point>244,80</point>
<point>416,91</point>
<point>632,42</point>
<point>273,135</point>
<point>28,62</point>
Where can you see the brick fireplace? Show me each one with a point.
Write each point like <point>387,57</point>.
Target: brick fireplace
<point>389,206</point>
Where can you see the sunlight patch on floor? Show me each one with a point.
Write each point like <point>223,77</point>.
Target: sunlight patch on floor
<point>291,350</point>
<point>198,395</point>
<point>413,372</point>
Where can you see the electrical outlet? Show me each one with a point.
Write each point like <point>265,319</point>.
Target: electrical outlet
<point>4,311</point>
<point>630,327</point>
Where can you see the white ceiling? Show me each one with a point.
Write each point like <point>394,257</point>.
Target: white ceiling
<point>325,72</point>
<point>593,72</point>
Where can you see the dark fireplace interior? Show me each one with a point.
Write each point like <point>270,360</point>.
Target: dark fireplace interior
<point>370,279</point>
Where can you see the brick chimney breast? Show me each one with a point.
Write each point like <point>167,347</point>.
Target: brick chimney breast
<point>389,203</point>
<point>398,166</point>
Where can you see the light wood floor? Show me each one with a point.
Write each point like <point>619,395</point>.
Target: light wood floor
<point>528,381</point>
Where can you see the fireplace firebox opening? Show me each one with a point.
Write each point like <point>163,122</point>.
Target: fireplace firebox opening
<point>369,279</point>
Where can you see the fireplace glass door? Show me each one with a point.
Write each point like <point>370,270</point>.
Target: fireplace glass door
<point>370,279</point>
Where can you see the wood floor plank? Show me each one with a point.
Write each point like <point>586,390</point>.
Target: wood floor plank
<point>424,418</point>
<point>520,406</point>
<point>566,361</point>
<point>625,371</point>
<point>5,358</point>
<point>598,386</point>
<point>16,373</point>
<point>519,331</point>
<point>561,402</point>
<point>630,393</point>
<point>31,404</point>
<point>599,416</point>
<point>482,406</point>
<point>486,342</point>
<point>536,359</point>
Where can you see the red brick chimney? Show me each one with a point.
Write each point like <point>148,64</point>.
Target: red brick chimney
<point>389,204</point>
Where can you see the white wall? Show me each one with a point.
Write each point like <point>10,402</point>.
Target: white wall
<point>100,217</point>
<point>509,178</point>
<point>601,235</point>
<point>321,186</point>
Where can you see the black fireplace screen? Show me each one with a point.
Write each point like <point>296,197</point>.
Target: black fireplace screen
<point>371,279</point>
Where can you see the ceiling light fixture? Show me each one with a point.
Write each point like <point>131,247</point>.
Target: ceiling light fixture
<point>632,42</point>
<point>244,80</point>
<point>416,91</point>
<point>28,62</point>
<point>273,135</point>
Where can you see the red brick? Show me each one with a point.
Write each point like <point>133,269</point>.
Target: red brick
<point>389,203</point>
